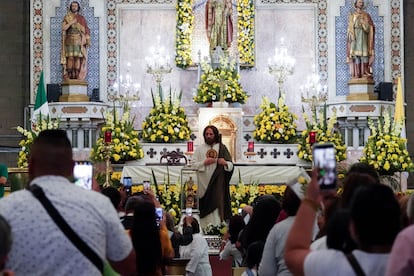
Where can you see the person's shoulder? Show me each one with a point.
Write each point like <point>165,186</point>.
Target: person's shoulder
<point>325,262</point>
<point>323,257</point>
<point>15,196</point>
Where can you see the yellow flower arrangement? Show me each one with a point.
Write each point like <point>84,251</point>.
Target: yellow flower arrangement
<point>221,82</point>
<point>125,142</point>
<point>325,133</point>
<point>166,122</point>
<point>274,123</point>
<point>386,150</point>
<point>184,30</point>
<point>245,39</point>
<point>29,134</point>
<point>244,194</point>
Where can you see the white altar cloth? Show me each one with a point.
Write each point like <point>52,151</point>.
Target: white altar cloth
<point>260,174</point>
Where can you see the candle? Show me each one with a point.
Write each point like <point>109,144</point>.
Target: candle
<point>108,136</point>
<point>190,146</point>
<point>312,137</point>
<point>250,146</point>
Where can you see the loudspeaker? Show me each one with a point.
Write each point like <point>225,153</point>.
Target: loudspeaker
<point>95,95</point>
<point>385,91</point>
<point>54,91</point>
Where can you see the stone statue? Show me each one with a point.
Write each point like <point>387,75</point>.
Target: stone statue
<point>75,44</point>
<point>360,42</point>
<point>219,23</point>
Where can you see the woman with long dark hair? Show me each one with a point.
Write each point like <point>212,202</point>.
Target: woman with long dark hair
<point>150,238</point>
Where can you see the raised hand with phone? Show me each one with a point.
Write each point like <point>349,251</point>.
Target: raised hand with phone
<point>324,160</point>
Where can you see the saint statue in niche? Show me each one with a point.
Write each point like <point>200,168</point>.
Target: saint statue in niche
<point>75,44</point>
<point>360,42</point>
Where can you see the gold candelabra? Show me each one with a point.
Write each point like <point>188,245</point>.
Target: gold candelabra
<point>158,64</point>
<point>313,93</point>
<point>107,152</point>
<point>126,91</point>
<point>281,65</point>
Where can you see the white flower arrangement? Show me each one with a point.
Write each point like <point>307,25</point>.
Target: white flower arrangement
<point>41,123</point>
<point>221,82</point>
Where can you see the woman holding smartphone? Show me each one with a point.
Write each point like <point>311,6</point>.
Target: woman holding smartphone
<point>150,237</point>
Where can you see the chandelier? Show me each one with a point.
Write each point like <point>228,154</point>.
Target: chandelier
<point>312,92</point>
<point>281,65</point>
<point>158,64</point>
<point>126,91</point>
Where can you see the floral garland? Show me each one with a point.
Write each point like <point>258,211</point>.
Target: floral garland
<point>274,123</point>
<point>325,133</point>
<point>213,80</point>
<point>30,134</point>
<point>125,142</point>
<point>386,150</point>
<point>184,29</point>
<point>245,39</point>
<point>166,122</point>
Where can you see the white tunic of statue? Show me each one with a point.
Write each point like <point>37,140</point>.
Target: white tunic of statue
<point>204,175</point>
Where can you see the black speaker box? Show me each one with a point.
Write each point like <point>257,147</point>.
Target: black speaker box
<point>54,91</point>
<point>385,91</point>
<point>95,95</point>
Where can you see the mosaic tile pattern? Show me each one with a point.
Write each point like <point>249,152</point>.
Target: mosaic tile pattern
<point>93,63</point>
<point>396,61</point>
<point>342,69</point>
<point>37,42</point>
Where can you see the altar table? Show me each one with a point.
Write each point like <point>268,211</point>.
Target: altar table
<point>249,173</point>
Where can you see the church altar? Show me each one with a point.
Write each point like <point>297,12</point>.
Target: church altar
<point>119,48</point>
<point>249,173</point>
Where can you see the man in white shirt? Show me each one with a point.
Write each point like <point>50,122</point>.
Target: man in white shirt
<point>39,246</point>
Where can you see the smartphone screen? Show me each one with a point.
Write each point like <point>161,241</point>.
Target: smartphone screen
<point>325,161</point>
<point>146,184</point>
<point>127,181</point>
<point>82,174</point>
<point>158,213</point>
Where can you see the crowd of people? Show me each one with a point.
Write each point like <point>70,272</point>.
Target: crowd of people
<point>364,230</point>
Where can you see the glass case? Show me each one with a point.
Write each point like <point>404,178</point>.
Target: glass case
<point>189,187</point>
<point>18,179</point>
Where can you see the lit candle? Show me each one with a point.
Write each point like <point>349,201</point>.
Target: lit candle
<point>190,146</point>
<point>312,137</point>
<point>250,146</point>
<point>108,136</point>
